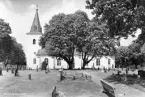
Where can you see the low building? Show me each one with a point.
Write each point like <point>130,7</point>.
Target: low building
<point>53,63</point>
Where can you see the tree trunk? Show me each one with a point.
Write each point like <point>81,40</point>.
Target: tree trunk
<point>6,63</point>
<point>71,65</point>
<point>17,67</point>
<point>84,64</point>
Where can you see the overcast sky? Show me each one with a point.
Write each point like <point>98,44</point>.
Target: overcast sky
<point>20,14</point>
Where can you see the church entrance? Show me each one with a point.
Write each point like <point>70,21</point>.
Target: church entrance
<point>45,63</point>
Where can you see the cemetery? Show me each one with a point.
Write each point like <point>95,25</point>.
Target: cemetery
<point>66,83</point>
<point>75,53</point>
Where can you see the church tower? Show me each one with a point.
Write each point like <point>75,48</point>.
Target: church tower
<point>33,42</point>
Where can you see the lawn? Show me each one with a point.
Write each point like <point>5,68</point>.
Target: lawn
<point>42,85</point>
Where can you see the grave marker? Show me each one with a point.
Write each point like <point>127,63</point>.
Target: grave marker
<point>1,71</point>
<point>16,72</point>
<point>29,76</point>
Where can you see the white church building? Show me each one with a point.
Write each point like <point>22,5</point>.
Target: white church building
<point>35,55</point>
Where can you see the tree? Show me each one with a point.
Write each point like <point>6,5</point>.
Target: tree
<point>123,17</point>
<point>4,27</point>
<point>123,56</point>
<point>91,38</point>
<point>10,51</point>
<point>57,38</point>
<point>66,34</point>
<point>5,42</point>
<point>17,55</point>
<point>136,58</point>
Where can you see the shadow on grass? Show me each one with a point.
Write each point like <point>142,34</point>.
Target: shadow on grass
<point>131,80</point>
<point>108,95</point>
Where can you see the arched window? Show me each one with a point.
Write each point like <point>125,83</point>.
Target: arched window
<point>46,60</point>
<point>58,62</point>
<point>108,61</point>
<point>34,41</point>
<point>34,61</point>
<point>98,62</point>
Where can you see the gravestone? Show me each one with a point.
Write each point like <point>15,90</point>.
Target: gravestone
<point>61,74</point>
<point>37,68</point>
<point>29,76</point>
<point>16,72</point>
<point>12,70</point>
<point>1,71</point>
<point>56,93</point>
<point>7,69</point>
<point>46,71</point>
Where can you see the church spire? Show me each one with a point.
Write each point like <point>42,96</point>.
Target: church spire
<point>36,27</point>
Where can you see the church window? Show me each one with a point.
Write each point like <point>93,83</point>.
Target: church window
<point>58,62</point>
<point>34,61</point>
<point>46,60</point>
<point>108,61</point>
<point>98,62</point>
<point>34,41</point>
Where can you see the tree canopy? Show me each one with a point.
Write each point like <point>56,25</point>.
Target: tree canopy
<point>57,38</point>
<point>123,56</point>
<point>123,17</point>
<point>68,34</point>
<point>11,52</point>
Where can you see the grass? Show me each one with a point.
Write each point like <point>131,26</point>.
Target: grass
<point>131,80</point>
<point>42,85</point>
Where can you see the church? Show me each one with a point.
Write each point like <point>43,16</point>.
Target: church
<point>35,55</point>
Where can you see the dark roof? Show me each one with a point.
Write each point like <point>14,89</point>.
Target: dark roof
<point>36,27</point>
<point>34,33</point>
<point>42,52</point>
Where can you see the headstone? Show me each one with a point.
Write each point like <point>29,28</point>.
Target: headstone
<point>61,74</point>
<point>29,76</point>
<point>16,72</point>
<point>118,73</point>
<point>125,77</point>
<point>12,70</point>
<point>37,68</point>
<point>1,71</point>
<point>7,69</point>
<point>55,93</point>
<point>46,71</point>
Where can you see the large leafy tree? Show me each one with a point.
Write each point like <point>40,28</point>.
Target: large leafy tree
<point>137,57</point>
<point>123,17</point>
<point>57,38</point>
<point>67,34</point>
<point>5,42</point>
<point>92,39</point>
<point>17,54</point>
<point>123,56</point>
<point>11,52</point>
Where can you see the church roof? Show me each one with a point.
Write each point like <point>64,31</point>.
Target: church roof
<point>42,52</point>
<point>36,27</point>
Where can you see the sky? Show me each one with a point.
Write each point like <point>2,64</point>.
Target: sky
<point>20,14</point>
